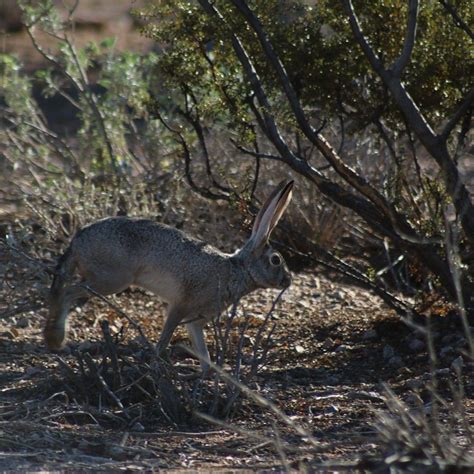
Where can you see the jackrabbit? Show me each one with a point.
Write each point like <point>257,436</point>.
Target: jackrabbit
<point>197,280</point>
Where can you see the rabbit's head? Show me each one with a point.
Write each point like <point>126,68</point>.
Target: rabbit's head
<point>266,266</point>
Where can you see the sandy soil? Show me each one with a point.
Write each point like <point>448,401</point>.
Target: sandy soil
<point>333,348</point>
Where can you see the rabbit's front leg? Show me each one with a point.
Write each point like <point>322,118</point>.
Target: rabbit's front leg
<point>196,333</point>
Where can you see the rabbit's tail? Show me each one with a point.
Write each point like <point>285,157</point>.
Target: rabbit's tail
<point>55,329</point>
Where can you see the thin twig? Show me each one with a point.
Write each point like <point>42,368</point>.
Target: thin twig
<point>466,103</point>
<point>410,39</point>
<point>93,368</point>
<point>120,312</point>
<point>458,21</point>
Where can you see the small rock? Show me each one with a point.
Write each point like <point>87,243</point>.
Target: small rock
<point>316,283</point>
<point>137,426</point>
<point>305,304</point>
<point>328,343</point>
<point>457,364</point>
<point>446,351</point>
<point>300,349</point>
<point>415,384</point>
<point>369,335</point>
<point>395,361</point>
<point>416,345</point>
<point>85,346</point>
<point>337,296</point>
<point>22,323</point>
<point>388,352</point>
<point>405,371</point>
<point>341,348</point>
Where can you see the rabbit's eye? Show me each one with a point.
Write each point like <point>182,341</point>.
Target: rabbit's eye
<point>275,260</point>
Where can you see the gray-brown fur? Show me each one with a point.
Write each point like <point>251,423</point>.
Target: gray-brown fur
<point>196,279</point>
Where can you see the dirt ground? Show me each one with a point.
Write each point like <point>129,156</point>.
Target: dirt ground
<point>333,348</point>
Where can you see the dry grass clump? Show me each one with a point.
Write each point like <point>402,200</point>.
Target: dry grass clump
<point>120,382</point>
<point>437,435</point>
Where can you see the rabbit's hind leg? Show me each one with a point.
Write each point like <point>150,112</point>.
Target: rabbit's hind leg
<point>55,331</point>
<point>175,315</point>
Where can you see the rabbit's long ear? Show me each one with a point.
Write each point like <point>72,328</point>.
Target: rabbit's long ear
<point>270,214</point>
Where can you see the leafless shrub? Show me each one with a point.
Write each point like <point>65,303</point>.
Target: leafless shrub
<point>436,435</point>
<point>24,275</point>
<point>242,354</point>
<point>124,383</point>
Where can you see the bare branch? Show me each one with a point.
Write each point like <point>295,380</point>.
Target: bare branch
<point>398,222</point>
<point>377,211</point>
<point>345,171</point>
<point>463,131</point>
<point>119,311</point>
<point>275,62</point>
<point>331,261</point>
<point>196,123</point>
<point>82,84</point>
<point>92,100</point>
<point>256,153</point>
<point>361,39</point>
<point>466,103</point>
<point>257,165</point>
<point>396,226</point>
<point>410,38</point>
<point>269,125</point>
<point>72,10</point>
<point>435,144</point>
<point>458,21</point>
<point>205,192</point>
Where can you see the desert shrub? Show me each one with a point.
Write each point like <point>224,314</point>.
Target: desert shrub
<point>285,79</point>
<point>436,435</point>
<point>118,158</point>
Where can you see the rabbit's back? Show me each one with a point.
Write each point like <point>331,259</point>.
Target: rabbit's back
<point>148,254</point>
<point>134,236</point>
